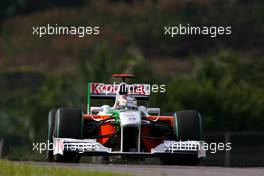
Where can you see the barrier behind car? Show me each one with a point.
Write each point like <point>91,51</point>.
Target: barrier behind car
<point>247,149</point>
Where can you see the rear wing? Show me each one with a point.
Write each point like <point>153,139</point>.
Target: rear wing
<point>109,91</point>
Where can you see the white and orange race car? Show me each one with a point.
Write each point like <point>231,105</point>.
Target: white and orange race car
<point>107,131</point>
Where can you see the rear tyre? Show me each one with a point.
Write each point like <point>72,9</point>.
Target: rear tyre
<point>186,126</point>
<point>68,124</point>
<point>51,122</point>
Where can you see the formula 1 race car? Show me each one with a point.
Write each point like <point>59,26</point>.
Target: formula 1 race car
<point>127,132</point>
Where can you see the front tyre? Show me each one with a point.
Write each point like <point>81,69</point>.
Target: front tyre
<point>68,124</point>
<point>51,122</point>
<point>187,126</point>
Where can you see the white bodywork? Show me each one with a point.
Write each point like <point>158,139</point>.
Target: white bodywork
<point>130,119</point>
<point>91,145</point>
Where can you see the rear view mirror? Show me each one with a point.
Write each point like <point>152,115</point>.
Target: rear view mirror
<point>96,109</point>
<point>153,110</point>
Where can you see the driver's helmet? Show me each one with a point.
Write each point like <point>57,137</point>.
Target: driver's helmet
<point>123,89</point>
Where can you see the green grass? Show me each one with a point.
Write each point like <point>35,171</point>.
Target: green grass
<point>16,169</point>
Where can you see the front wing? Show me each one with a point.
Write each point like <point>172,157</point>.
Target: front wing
<point>93,148</point>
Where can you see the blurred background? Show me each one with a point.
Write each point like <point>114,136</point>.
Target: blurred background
<point>222,77</point>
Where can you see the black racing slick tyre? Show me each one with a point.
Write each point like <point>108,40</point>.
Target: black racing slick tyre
<point>187,126</point>
<point>68,124</point>
<point>51,122</point>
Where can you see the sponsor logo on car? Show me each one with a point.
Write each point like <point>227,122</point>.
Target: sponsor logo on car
<point>104,89</point>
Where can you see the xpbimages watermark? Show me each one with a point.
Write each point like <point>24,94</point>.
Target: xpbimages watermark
<point>212,31</point>
<point>80,31</point>
<point>212,147</point>
<point>78,147</point>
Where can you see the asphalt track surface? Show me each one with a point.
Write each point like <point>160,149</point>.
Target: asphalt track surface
<point>160,170</point>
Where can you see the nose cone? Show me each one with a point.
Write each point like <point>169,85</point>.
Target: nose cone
<point>130,119</point>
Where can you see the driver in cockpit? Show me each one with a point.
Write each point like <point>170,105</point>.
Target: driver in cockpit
<point>123,99</point>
